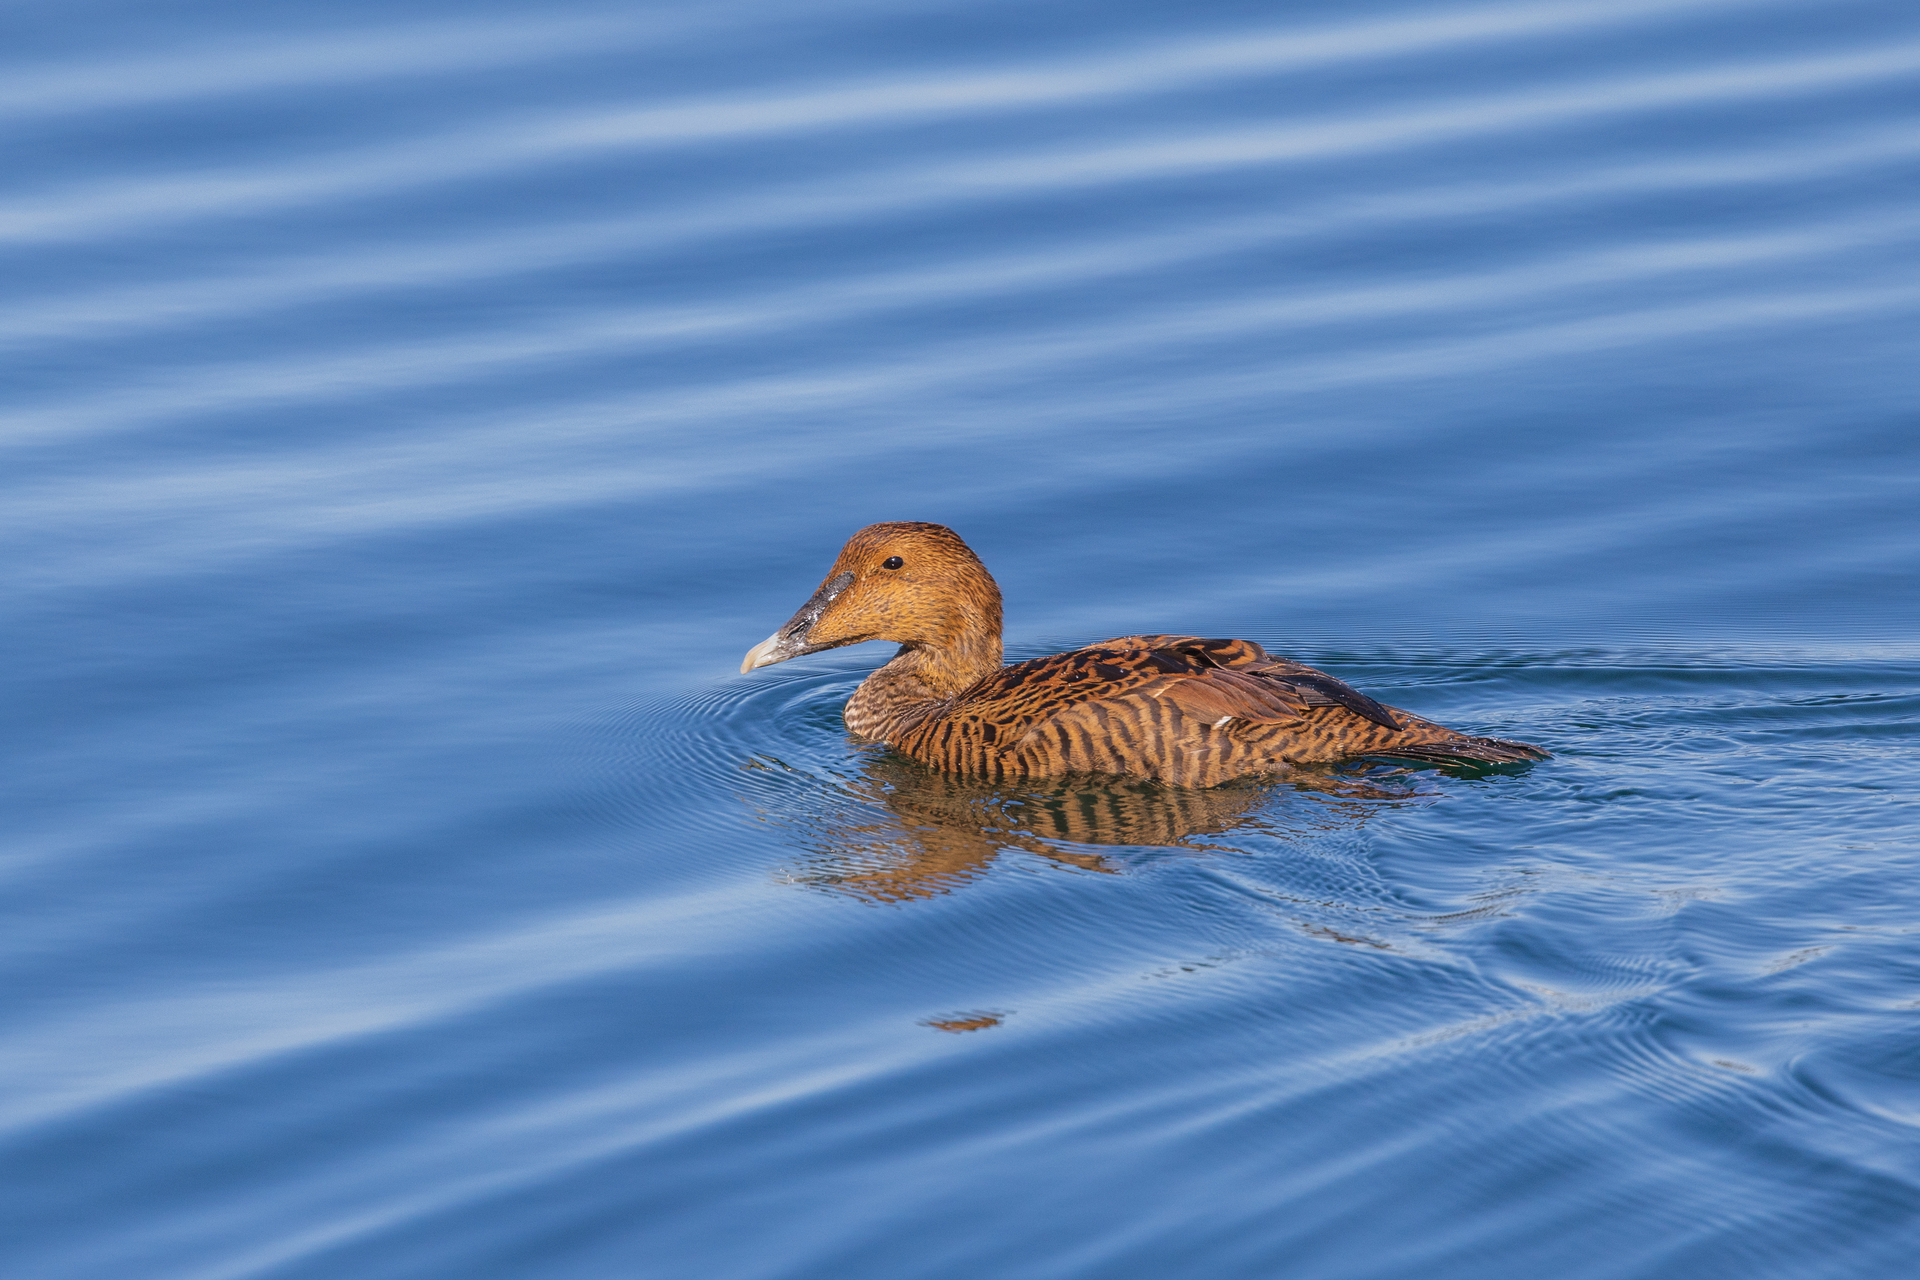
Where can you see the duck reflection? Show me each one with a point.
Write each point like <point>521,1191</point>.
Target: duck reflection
<point>903,831</point>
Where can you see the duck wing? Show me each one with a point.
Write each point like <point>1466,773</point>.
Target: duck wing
<point>1017,699</point>
<point>1142,712</point>
<point>1160,709</point>
<point>1312,688</point>
<point>1187,710</point>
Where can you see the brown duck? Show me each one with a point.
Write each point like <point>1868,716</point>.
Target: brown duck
<point>1179,709</point>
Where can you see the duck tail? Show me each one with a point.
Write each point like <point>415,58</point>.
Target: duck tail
<point>1463,751</point>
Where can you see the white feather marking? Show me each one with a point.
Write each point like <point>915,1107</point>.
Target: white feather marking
<point>1222,720</point>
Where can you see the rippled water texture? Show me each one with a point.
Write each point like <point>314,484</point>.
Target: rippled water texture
<point>414,411</point>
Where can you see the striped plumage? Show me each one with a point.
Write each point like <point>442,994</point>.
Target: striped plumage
<point>1178,709</point>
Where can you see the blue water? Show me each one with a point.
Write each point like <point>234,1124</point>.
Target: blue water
<point>414,410</point>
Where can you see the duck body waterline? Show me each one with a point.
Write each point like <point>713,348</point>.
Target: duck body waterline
<point>1184,710</point>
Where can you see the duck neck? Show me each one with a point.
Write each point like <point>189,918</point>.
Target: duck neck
<point>920,679</point>
<point>947,669</point>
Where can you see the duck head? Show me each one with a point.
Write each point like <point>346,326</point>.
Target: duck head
<point>916,584</point>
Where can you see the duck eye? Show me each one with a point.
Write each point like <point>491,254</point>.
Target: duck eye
<point>893,562</point>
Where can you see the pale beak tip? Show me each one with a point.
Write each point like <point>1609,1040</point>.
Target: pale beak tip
<point>761,655</point>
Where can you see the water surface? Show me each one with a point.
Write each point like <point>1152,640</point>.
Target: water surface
<point>413,412</point>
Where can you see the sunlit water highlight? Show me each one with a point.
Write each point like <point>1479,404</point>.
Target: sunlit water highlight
<point>412,414</point>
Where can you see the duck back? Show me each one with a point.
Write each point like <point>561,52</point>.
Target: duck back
<point>1186,710</point>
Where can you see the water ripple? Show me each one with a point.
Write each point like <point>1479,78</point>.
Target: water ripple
<point>391,168</point>
<point>272,65</point>
<point>366,271</point>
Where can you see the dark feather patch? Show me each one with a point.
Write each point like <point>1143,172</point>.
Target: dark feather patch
<point>1346,695</point>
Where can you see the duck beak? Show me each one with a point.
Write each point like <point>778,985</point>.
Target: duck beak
<point>790,641</point>
<point>765,654</point>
